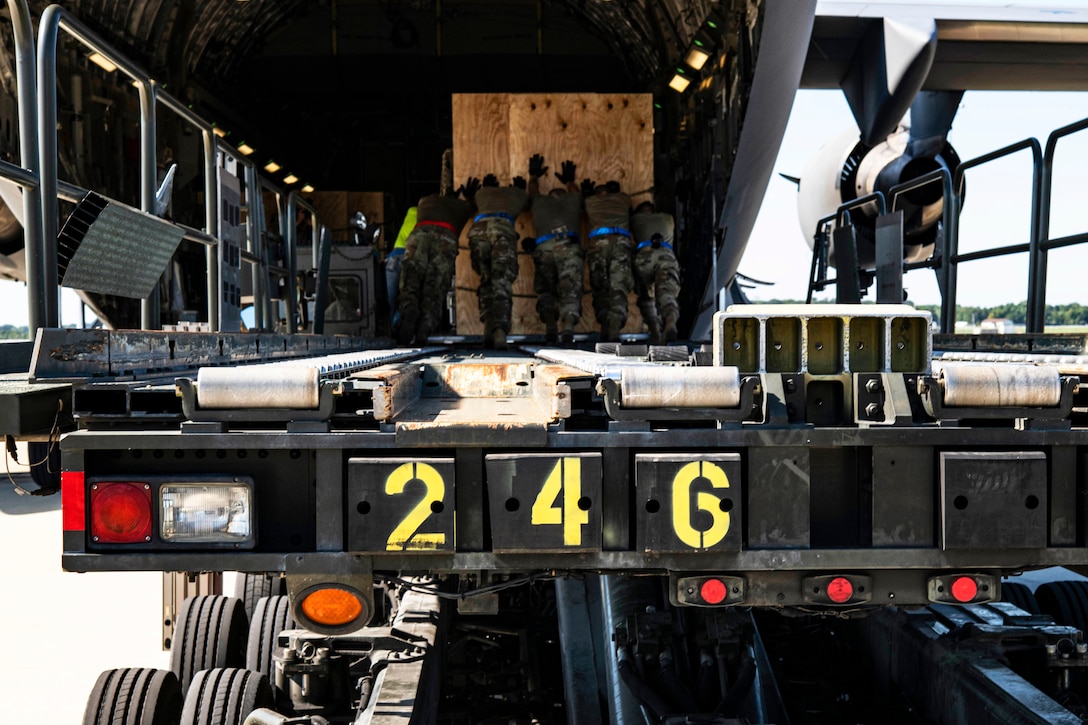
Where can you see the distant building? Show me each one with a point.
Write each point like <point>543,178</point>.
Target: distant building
<point>997,325</point>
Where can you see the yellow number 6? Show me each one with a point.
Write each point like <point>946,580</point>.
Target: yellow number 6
<point>704,501</point>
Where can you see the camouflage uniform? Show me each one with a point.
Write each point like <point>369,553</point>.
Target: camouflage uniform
<point>557,258</point>
<point>492,243</point>
<point>609,256</point>
<point>658,272</point>
<point>430,257</point>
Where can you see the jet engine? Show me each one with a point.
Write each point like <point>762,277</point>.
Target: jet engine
<point>901,135</point>
<point>848,168</point>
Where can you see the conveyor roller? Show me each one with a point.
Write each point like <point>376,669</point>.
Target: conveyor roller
<point>984,386</point>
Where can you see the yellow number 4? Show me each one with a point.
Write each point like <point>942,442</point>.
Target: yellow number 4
<point>566,479</point>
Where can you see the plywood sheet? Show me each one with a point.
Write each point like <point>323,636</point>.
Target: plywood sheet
<point>335,209</point>
<point>609,136</point>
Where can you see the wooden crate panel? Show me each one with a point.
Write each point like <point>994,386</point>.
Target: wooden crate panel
<point>609,136</point>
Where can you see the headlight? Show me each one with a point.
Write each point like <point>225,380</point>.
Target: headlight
<point>204,512</point>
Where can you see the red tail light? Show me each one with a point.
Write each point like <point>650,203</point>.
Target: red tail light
<point>962,588</point>
<point>120,512</point>
<point>837,589</point>
<point>709,591</point>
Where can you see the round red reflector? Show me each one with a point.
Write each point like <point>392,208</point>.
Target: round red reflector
<point>120,512</point>
<point>713,591</point>
<point>964,589</point>
<point>839,590</point>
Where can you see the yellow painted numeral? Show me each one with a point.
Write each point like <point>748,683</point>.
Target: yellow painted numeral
<point>566,479</point>
<point>704,501</point>
<point>404,537</point>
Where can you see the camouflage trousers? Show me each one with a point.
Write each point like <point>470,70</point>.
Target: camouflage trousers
<point>492,245</point>
<point>558,281</point>
<point>657,283</point>
<point>611,278</point>
<point>430,255</point>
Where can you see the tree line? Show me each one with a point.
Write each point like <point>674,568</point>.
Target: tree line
<point>10,332</point>
<point>1055,315</point>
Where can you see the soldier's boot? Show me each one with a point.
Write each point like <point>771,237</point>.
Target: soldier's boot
<point>609,331</point>
<point>423,331</point>
<point>654,328</point>
<point>566,335</point>
<point>670,328</point>
<point>407,328</point>
<point>498,338</point>
<point>551,333</point>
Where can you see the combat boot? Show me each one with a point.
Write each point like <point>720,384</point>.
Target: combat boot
<point>654,328</point>
<point>566,335</point>
<point>407,328</point>
<point>551,333</point>
<point>670,328</point>
<point>498,339</point>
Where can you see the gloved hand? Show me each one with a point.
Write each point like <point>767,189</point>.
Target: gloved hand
<point>519,182</point>
<point>566,175</point>
<point>536,166</point>
<point>588,187</point>
<point>491,180</point>
<point>528,244</point>
<point>470,187</point>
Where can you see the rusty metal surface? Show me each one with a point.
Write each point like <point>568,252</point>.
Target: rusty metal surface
<point>473,422</point>
<point>393,387</point>
<point>552,388</point>
<point>469,378</point>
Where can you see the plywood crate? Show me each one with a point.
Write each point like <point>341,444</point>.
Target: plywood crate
<point>336,208</point>
<point>609,136</point>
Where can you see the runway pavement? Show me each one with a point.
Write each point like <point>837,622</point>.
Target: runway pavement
<point>60,630</point>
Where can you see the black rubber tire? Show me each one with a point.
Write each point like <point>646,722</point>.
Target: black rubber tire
<point>271,616</point>
<point>1021,596</point>
<point>225,696</point>
<point>211,631</point>
<point>47,473</point>
<point>252,586</point>
<point>1065,601</point>
<point>134,696</point>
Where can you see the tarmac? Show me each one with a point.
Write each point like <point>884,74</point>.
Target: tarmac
<point>63,629</point>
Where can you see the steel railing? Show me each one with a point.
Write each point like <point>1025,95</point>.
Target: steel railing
<point>44,304</point>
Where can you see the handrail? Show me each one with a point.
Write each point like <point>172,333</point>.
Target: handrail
<point>948,308</point>
<point>819,256</point>
<point>295,202</point>
<point>941,174</point>
<point>52,21</point>
<point>1037,313</point>
<point>28,174</point>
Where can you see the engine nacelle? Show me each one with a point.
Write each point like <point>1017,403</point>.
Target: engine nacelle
<point>845,169</point>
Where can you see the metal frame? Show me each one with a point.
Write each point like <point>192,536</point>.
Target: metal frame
<point>41,271</point>
<point>28,176</point>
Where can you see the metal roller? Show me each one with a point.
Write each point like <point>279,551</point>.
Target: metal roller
<point>658,386</point>
<point>272,386</point>
<point>1000,386</point>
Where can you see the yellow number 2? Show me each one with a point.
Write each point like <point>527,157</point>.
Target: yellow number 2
<point>404,537</point>
<point>704,501</point>
<point>566,479</point>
